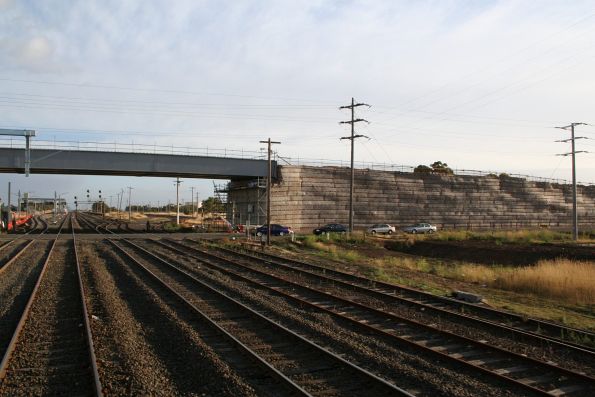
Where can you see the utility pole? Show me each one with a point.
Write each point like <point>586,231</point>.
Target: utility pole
<point>192,198</point>
<point>573,152</point>
<point>178,200</point>
<point>55,199</point>
<point>119,202</point>
<point>129,205</point>
<point>9,208</point>
<point>101,203</point>
<point>269,142</point>
<point>197,206</point>
<point>352,138</point>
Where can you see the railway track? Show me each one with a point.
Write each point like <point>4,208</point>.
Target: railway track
<point>16,286</point>
<point>530,374</point>
<point>301,365</point>
<point>51,349</point>
<point>20,244</point>
<point>521,328</point>
<point>40,226</point>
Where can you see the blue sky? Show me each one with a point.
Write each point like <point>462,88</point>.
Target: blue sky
<point>479,85</point>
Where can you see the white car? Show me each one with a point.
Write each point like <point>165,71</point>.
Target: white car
<point>420,228</point>
<point>381,228</point>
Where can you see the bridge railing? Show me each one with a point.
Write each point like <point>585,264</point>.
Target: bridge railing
<point>15,143</point>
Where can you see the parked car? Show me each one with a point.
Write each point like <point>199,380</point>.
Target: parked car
<point>420,228</point>
<point>331,228</point>
<point>276,230</point>
<point>381,228</point>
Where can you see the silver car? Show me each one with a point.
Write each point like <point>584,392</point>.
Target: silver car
<point>381,228</point>
<point>420,228</point>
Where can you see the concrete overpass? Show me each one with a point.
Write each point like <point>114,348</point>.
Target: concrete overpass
<point>86,162</point>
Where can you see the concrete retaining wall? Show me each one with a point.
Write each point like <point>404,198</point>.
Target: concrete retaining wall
<point>305,197</point>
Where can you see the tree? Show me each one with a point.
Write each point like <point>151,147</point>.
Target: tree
<point>422,169</point>
<point>441,168</point>
<point>213,204</point>
<point>437,167</point>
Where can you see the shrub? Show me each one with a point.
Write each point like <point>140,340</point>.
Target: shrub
<point>170,227</point>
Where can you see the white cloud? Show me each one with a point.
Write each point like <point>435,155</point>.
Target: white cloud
<point>35,51</point>
<point>474,84</point>
<point>5,4</point>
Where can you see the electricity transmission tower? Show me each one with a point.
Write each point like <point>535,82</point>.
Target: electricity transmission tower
<point>352,138</point>
<point>573,152</point>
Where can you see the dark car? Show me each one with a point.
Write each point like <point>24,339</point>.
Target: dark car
<point>276,230</point>
<point>331,228</point>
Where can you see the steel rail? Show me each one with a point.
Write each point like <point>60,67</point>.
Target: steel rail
<point>88,333</point>
<point>243,347</point>
<point>389,386</point>
<point>90,224</point>
<point>264,364</point>
<point>34,225</point>
<point>388,318</point>
<point>34,230</point>
<point>391,292</point>
<point>15,336</point>
<point>46,226</point>
<point>26,313</point>
<point>15,257</point>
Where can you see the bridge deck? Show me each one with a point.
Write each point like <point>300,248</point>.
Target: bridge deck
<point>47,161</point>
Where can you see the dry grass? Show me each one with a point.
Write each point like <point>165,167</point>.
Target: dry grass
<point>504,236</point>
<point>571,281</point>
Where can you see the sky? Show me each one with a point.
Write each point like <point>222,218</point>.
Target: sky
<point>479,85</point>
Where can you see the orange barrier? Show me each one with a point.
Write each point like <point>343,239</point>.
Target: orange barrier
<point>19,221</point>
